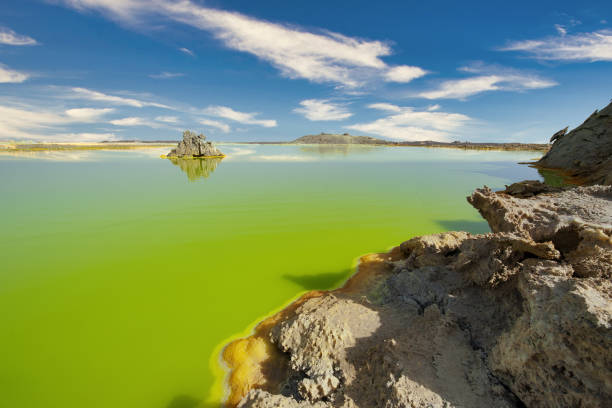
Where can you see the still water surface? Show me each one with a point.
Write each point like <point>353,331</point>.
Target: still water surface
<point>122,274</point>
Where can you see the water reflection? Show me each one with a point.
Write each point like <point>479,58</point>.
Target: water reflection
<point>337,149</point>
<point>197,168</point>
<point>552,178</point>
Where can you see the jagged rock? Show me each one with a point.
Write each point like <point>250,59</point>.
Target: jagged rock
<point>542,217</point>
<point>521,316</point>
<point>194,145</point>
<point>324,338</point>
<point>529,188</point>
<point>263,399</point>
<point>585,153</point>
<point>559,134</point>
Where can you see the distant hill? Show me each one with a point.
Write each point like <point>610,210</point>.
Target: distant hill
<point>330,138</point>
<point>345,138</point>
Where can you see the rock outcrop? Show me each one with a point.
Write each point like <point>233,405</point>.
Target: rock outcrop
<point>518,317</point>
<point>585,153</point>
<point>194,145</point>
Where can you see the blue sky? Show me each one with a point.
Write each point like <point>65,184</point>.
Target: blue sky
<point>87,70</point>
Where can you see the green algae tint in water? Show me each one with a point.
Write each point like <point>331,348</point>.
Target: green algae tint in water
<point>123,274</point>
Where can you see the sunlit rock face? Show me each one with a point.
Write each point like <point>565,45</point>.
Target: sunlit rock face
<point>194,145</point>
<point>585,153</point>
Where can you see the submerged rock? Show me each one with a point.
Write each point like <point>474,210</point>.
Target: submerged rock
<point>194,145</point>
<point>585,153</point>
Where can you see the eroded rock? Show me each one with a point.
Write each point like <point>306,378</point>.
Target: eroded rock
<point>585,153</point>
<point>520,316</point>
<point>194,145</point>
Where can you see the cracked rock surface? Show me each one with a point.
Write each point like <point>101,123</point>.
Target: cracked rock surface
<point>521,316</point>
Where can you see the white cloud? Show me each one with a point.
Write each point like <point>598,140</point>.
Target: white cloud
<point>322,109</point>
<point>491,78</point>
<point>88,94</point>
<point>322,57</point>
<point>31,123</point>
<point>224,127</point>
<point>385,107</point>
<point>408,124</point>
<point>187,51</point>
<point>167,119</point>
<point>166,75</point>
<point>9,37</point>
<point>595,46</point>
<point>561,29</point>
<point>130,121</point>
<point>87,114</point>
<point>241,117</point>
<point>404,73</point>
<point>8,75</point>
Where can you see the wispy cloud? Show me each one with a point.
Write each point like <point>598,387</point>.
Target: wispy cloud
<point>9,37</point>
<point>321,56</point>
<point>32,123</point>
<point>409,124</point>
<point>224,127</point>
<point>8,75</point>
<point>385,107</point>
<point>87,114</point>
<point>595,46</point>
<point>490,78</point>
<point>187,51</point>
<point>88,94</point>
<point>322,109</point>
<point>241,117</point>
<point>167,119</point>
<point>166,75</point>
<point>404,73</point>
<point>133,121</point>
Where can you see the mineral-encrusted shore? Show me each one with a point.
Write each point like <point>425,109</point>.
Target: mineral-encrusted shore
<point>518,317</point>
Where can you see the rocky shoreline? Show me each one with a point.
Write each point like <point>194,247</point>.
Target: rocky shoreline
<point>518,317</point>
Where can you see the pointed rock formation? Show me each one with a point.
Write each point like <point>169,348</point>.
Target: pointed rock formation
<point>194,145</point>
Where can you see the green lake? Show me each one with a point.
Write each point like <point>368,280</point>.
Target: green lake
<point>123,274</point>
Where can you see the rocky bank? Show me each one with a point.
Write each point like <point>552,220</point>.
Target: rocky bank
<point>518,317</point>
<point>584,154</point>
<point>194,145</point>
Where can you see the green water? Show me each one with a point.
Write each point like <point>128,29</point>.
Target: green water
<point>123,274</point>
